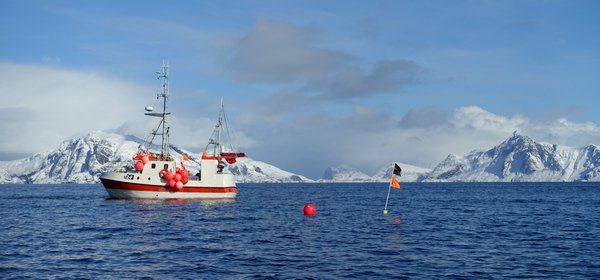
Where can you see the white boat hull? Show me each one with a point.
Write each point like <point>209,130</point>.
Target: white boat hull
<point>123,190</point>
<point>148,184</point>
<point>129,194</point>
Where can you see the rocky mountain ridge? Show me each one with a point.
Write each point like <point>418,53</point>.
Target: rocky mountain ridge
<point>521,159</point>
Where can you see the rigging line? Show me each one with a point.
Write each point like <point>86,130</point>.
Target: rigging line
<point>150,139</point>
<point>230,132</point>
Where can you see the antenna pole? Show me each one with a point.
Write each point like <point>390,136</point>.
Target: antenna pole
<point>165,95</point>
<point>219,127</point>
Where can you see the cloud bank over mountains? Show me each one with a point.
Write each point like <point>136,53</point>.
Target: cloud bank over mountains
<point>39,115</point>
<point>43,106</point>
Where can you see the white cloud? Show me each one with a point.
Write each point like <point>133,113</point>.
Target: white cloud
<point>476,118</point>
<point>562,131</point>
<point>43,106</point>
<point>563,126</point>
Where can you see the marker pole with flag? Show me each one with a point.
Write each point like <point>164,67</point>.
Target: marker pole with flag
<point>393,183</point>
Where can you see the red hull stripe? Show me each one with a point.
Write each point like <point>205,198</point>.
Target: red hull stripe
<point>110,184</point>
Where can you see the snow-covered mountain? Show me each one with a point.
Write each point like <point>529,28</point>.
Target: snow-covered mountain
<point>520,159</point>
<point>345,173</point>
<point>247,170</point>
<point>410,173</point>
<point>80,160</point>
<point>83,160</point>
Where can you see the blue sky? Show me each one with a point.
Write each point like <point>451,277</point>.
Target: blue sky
<point>307,84</point>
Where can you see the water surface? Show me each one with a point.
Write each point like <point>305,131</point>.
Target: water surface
<point>432,231</point>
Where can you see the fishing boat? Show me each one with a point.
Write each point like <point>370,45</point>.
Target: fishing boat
<point>158,175</point>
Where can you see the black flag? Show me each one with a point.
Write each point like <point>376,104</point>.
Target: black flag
<point>397,170</point>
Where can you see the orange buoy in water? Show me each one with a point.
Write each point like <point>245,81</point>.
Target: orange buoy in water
<point>309,209</point>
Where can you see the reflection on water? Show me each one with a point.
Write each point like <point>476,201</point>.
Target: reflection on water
<point>177,201</point>
<point>395,236</point>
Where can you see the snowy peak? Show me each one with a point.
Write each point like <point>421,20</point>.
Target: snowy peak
<point>79,160</point>
<point>520,158</point>
<point>452,166</point>
<point>345,173</point>
<point>589,163</point>
<point>410,173</point>
<point>247,170</point>
<point>521,154</point>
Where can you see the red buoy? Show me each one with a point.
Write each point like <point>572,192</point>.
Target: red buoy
<point>172,183</point>
<point>179,186</point>
<point>145,159</point>
<point>169,175</point>
<point>177,177</point>
<point>184,173</point>
<point>309,209</point>
<point>139,166</point>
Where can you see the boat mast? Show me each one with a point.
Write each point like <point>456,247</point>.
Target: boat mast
<point>219,127</point>
<point>165,95</point>
<point>215,138</point>
<point>163,128</point>
<point>214,142</point>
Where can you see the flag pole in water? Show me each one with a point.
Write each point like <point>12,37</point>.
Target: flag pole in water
<point>393,183</point>
<point>385,211</point>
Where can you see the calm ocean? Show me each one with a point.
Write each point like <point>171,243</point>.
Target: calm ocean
<point>476,231</point>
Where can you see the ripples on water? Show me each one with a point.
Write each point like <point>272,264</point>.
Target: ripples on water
<point>432,231</point>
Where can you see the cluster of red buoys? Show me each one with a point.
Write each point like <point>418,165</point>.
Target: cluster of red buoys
<point>176,180</point>
<point>140,164</point>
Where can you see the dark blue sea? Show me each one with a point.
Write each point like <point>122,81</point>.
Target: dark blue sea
<point>433,231</point>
